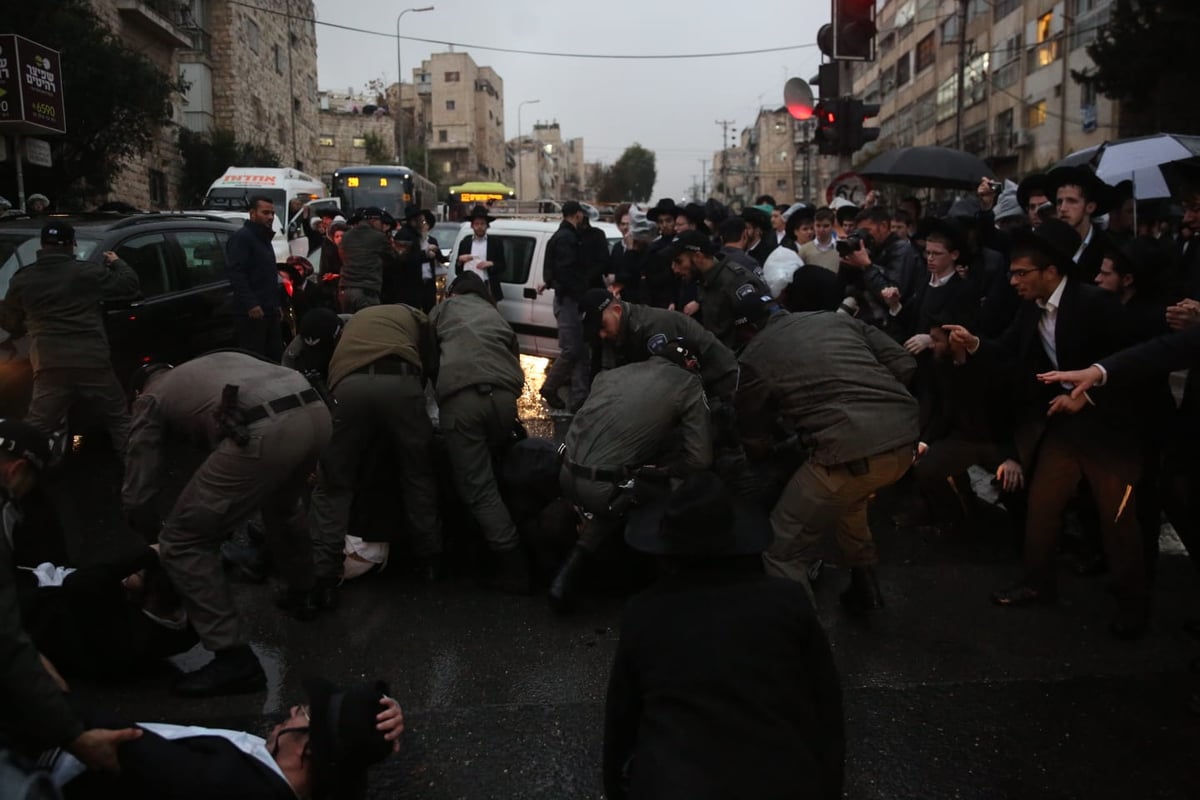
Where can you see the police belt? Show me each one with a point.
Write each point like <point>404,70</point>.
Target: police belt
<point>602,474</point>
<point>280,405</point>
<point>389,365</point>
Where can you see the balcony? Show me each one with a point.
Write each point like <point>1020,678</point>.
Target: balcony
<point>1042,55</point>
<point>158,19</point>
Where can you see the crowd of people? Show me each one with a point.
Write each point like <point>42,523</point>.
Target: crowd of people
<point>738,388</point>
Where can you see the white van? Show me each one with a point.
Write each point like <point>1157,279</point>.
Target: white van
<point>530,314</point>
<point>228,194</point>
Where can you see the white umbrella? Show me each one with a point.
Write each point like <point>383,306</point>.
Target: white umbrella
<point>1139,160</point>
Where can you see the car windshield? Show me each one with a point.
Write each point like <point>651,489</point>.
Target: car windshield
<point>20,249</point>
<point>234,198</point>
<point>446,233</point>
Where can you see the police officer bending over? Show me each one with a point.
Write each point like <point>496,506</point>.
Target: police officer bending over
<point>647,419</point>
<point>265,426</point>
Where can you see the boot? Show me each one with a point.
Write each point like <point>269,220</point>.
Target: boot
<point>511,574</point>
<point>300,604</point>
<point>232,671</point>
<point>552,399</point>
<point>863,593</point>
<point>564,589</point>
<point>326,594</point>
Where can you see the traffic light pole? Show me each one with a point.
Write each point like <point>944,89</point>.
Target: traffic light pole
<point>846,82</point>
<point>962,69</point>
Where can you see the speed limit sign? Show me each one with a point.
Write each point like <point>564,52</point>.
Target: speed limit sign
<point>850,186</point>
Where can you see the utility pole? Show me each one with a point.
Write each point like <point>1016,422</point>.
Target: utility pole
<point>725,124</point>
<point>704,177</point>
<point>962,68</point>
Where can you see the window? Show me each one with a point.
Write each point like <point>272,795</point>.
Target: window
<point>1002,139</point>
<point>904,70</point>
<point>158,188</point>
<point>950,30</point>
<point>443,136</point>
<point>518,256</point>
<point>886,44</point>
<point>277,52</point>
<point>1006,76</point>
<point>1035,114</point>
<point>926,52</point>
<point>252,35</point>
<point>450,105</point>
<point>975,80</point>
<point>147,255</point>
<point>325,140</point>
<point>1045,23</point>
<point>296,104</point>
<point>974,139</point>
<point>203,258</point>
<point>925,112</point>
<point>1087,95</point>
<point>1003,8</point>
<point>450,77</point>
<point>947,99</point>
<point>359,141</point>
<point>781,183</point>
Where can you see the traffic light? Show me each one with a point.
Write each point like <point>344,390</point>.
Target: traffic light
<point>855,134</point>
<point>854,30</point>
<point>828,136</point>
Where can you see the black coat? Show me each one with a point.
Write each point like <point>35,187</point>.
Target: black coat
<point>1088,265</point>
<point>723,687</point>
<point>495,254</point>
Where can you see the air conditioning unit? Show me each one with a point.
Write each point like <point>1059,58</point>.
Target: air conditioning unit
<point>1022,139</point>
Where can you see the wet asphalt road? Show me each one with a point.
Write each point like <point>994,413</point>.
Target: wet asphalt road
<point>946,695</point>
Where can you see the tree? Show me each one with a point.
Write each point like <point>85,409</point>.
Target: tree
<point>377,151</point>
<point>116,99</point>
<point>630,178</point>
<point>207,156</point>
<point>1143,60</point>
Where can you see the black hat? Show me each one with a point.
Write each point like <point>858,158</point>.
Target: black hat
<point>1096,190</point>
<point>373,212</point>
<point>343,738</point>
<point>699,519</point>
<point>1136,257</point>
<point>694,212</point>
<point>591,310</point>
<point>757,217</point>
<point>947,228</point>
<point>411,212</point>
<point>1033,182</point>
<point>22,440</point>
<point>469,282</point>
<point>678,350</point>
<point>321,326</point>
<point>715,211</point>
<point>752,306</point>
<point>1055,238</point>
<point>58,232</point>
<point>664,206</point>
<point>480,212</point>
<point>694,242</point>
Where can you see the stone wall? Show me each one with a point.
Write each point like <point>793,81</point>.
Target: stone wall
<point>339,140</point>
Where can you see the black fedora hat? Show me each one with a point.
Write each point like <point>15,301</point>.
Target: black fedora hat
<point>343,737</point>
<point>1096,190</point>
<point>412,212</point>
<point>1055,238</point>
<point>1033,182</point>
<point>480,212</point>
<point>946,228</point>
<point>664,206</point>
<point>702,519</point>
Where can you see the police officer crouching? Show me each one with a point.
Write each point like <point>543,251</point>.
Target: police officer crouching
<point>265,426</point>
<point>647,420</point>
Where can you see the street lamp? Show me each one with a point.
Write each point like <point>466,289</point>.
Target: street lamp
<point>520,145</point>
<point>400,84</point>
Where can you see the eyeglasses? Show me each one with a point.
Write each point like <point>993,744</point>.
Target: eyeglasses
<point>1020,273</point>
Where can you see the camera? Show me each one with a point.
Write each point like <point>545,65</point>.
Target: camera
<point>850,244</point>
<point>996,186</point>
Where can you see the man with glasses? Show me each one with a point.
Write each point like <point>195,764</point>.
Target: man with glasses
<point>1068,323</point>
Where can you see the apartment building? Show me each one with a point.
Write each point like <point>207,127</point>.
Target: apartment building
<point>1020,108</point>
<point>546,166</point>
<point>346,120</point>
<point>775,156</point>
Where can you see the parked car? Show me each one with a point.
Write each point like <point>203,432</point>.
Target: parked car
<point>530,314</point>
<point>447,233</point>
<point>186,303</point>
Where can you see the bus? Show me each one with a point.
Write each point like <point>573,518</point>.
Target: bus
<point>389,188</point>
<point>465,196</point>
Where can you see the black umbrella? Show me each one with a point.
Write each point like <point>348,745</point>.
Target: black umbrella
<point>938,167</point>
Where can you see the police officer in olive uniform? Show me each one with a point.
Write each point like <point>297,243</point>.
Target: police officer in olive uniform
<point>377,376</point>
<point>265,426</point>
<point>720,282</point>
<point>479,377</point>
<point>631,333</point>
<point>366,253</point>
<point>58,300</point>
<point>647,419</point>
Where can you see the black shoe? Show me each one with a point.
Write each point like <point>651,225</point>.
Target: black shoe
<point>247,561</point>
<point>299,604</point>
<point>326,594</point>
<point>511,573</point>
<point>232,671</point>
<point>564,589</point>
<point>863,593</point>
<point>552,399</point>
<point>1024,595</point>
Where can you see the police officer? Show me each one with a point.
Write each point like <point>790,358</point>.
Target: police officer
<point>631,333</point>
<point>647,419</point>
<point>265,426</point>
<point>366,252</point>
<point>479,377</point>
<point>838,384</point>
<point>377,377</point>
<point>57,301</point>
<point>720,282</point>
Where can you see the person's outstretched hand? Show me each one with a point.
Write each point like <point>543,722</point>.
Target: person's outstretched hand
<point>390,721</point>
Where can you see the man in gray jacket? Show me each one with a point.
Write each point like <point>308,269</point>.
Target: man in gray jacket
<point>366,252</point>
<point>479,377</point>
<point>838,386</point>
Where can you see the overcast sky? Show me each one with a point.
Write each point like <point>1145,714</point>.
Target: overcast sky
<point>669,106</point>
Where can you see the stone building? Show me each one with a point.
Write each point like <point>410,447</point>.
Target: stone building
<point>344,123</point>
<point>252,71</point>
<point>545,167</point>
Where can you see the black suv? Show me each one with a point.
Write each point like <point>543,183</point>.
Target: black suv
<point>186,303</point>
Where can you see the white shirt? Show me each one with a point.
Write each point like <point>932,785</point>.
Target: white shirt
<point>935,281</point>
<point>478,253</point>
<point>1083,245</point>
<point>1048,321</point>
<point>779,236</point>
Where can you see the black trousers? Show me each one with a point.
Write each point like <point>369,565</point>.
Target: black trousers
<point>263,336</point>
